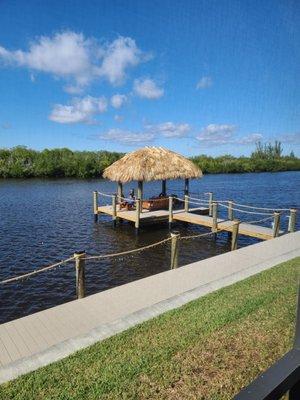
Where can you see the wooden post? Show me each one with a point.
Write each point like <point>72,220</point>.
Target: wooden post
<point>120,192</point>
<point>137,208</point>
<point>170,210</point>
<point>164,187</point>
<point>235,233</point>
<point>210,201</point>
<point>140,194</point>
<point>80,273</point>
<point>292,220</point>
<point>114,208</point>
<point>215,217</point>
<point>276,224</point>
<point>95,205</point>
<point>186,203</point>
<point>186,186</point>
<point>230,210</point>
<point>174,249</point>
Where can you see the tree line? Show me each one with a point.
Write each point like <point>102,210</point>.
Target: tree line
<point>21,162</point>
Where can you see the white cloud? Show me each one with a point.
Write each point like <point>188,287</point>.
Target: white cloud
<point>118,100</point>
<point>170,130</point>
<point>76,59</point>
<point>218,134</point>
<point>215,134</point>
<point>80,110</point>
<point>119,55</point>
<point>205,82</point>
<point>127,137</point>
<point>147,88</point>
<point>249,139</point>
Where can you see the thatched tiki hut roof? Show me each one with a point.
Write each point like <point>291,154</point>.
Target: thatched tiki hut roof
<point>149,164</point>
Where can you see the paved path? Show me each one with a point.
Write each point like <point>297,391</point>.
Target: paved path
<point>38,339</point>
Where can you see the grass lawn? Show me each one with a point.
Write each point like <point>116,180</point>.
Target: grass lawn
<point>207,349</point>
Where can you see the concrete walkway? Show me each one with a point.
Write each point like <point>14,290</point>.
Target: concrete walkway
<point>44,337</point>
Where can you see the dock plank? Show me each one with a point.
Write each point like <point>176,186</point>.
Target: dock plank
<point>146,215</point>
<point>260,232</point>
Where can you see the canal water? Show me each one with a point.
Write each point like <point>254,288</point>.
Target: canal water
<point>44,221</point>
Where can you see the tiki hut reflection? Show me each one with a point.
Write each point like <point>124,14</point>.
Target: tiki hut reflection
<point>150,164</point>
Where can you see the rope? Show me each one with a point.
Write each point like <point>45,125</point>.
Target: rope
<point>262,208</point>
<point>257,222</point>
<point>106,194</point>
<point>244,211</point>
<point>128,251</point>
<point>37,271</point>
<point>192,202</point>
<point>196,236</point>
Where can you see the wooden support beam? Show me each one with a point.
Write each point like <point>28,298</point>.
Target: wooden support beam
<point>276,224</point>
<point>164,187</point>
<point>137,210</point>
<point>186,186</point>
<point>235,233</point>
<point>170,210</point>
<point>230,210</point>
<point>95,205</point>
<point>114,209</point>
<point>215,217</point>
<point>140,194</point>
<point>210,201</point>
<point>174,249</point>
<point>80,273</point>
<point>292,220</point>
<point>186,203</point>
<point>120,192</point>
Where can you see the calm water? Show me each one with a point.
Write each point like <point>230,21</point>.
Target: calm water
<point>43,221</point>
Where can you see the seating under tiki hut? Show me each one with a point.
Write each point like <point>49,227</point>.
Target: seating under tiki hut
<point>151,164</point>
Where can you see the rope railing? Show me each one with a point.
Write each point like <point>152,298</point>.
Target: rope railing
<point>37,271</point>
<point>260,208</point>
<point>128,251</point>
<point>101,256</point>
<point>245,211</point>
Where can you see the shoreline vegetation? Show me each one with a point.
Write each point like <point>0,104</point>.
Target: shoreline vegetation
<point>207,349</point>
<point>22,162</point>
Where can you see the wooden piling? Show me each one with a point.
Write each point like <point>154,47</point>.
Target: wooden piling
<point>170,210</point>
<point>140,194</point>
<point>137,210</point>
<point>186,186</point>
<point>292,220</point>
<point>215,217</point>
<point>230,210</point>
<point>186,203</point>
<point>80,274</point>
<point>120,192</point>
<point>114,208</point>
<point>235,233</point>
<point>95,205</point>
<point>174,249</point>
<point>210,201</point>
<point>164,187</point>
<point>276,224</point>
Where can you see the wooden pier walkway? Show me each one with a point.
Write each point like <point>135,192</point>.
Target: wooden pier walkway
<point>245,229</point>
<point>146,216</point>
<point>197,216</point>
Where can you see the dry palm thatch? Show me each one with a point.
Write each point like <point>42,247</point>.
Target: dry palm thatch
<point>149,164</point>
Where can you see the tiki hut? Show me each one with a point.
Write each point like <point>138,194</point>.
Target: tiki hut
<point>150,164</point>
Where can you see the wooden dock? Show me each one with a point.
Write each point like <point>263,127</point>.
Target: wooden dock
<point>146,216</point>
<point>245,229</point>
<point>197,216</point>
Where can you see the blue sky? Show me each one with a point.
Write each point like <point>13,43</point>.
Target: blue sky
<point>194,76</point>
